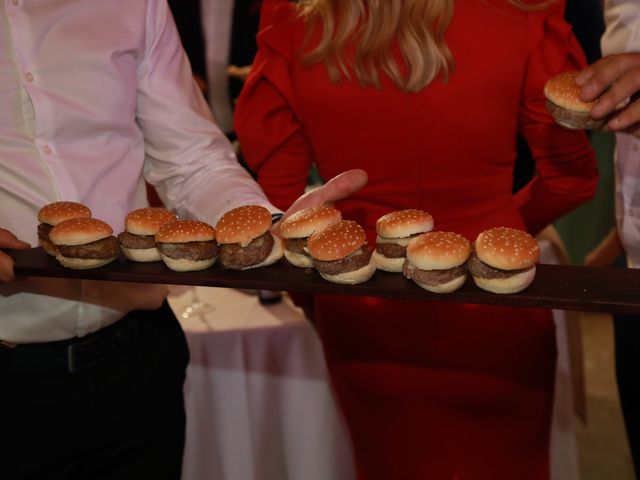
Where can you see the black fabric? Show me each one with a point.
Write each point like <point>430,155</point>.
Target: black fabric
<point>187,16</point>
<point>627,345</point>
<point>121,418</point>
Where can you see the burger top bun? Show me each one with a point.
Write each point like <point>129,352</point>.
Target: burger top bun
<point>336,241</point>
<point>304,222</point>
<point>404,223</point>
<point>507,248</point>
<point>56,212</point>
<point>183,231</point>
<point>147,221</point>
<point>243,224</point>
<point>438,250</point>
<point>79,231</point>
<point>563,91</point>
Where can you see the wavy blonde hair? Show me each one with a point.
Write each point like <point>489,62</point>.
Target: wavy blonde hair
<point>373,27</point>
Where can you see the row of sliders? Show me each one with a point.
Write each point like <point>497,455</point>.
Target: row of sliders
<point>500,260</point>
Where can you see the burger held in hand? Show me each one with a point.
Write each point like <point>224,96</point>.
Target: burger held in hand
<point>187,245</point>
<point>436,261</point>
<point>504,260</point>
<point>395,230</point>
<point>341,254</point>
<point>83,243</point>
<point>138,242</point>
<point>565,105</point>
<point>297,228</point>
<point>52,214</point>
<point>245,238</point>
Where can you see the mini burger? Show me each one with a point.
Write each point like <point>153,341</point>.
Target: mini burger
<point>504,260</point>
<point>297,228</point>
<point>52,214</point>
<point>565,105</point>
<point>395,230</point>
<point>436,261</point>
<point>245,238</point>
<point>138,242</point>
<point>187,245</point>
<point>83,243</point>
<point>341,254</point>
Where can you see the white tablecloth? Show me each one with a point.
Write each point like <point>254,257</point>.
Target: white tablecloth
<point>259,405</point>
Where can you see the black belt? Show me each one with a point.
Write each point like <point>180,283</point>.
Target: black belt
<point>71,355</point>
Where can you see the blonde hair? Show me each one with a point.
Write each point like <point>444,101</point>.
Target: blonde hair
<point>373,27</point>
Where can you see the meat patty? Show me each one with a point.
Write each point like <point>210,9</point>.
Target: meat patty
<point>105,248</point>
<point>130,240</point>
<point>189,250</point>
<point>433,277</point>
<point>43,231</point>
<point>351,263</point>
<point>571,119</point>
<point>296,245</point>
<point>480,269</point>
<point>391,250</point>
<point>236,257</point>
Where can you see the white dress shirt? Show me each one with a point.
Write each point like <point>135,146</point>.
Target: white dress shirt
<point>622,18</point>
<point>95,97</point>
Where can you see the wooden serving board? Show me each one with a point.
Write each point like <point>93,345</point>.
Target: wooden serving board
<point>560,287</point>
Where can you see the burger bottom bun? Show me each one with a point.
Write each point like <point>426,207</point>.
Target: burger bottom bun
<point>297,259</point>
<point>513,284</point>
<point>351,278</point>
<point>142,254</point>
<point>48,247</point>
<point>83,263</point>
<point>276,254</point>
<point>387,264</point>
<point>450,286</point>
<point>574,120</point>
<point>186,265</point>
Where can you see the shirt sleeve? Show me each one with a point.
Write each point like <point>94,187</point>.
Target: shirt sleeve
<point>188,159</point>
<point>566,168</point>
<point>267,118</point>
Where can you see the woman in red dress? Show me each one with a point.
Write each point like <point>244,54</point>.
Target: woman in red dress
<point>429,390</point>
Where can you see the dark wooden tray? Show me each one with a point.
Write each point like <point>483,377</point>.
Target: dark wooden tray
<point>562,287</point>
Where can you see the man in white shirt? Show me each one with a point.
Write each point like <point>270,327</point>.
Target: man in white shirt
<point>95,98</point>
<point>615,79</point>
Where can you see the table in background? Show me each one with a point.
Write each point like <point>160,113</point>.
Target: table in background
<point>258,402</point>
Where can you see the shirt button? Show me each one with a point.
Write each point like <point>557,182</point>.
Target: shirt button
<point>47,150</point>
<point>28,76</point>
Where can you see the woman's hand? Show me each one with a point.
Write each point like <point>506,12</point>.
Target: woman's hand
<point>10,241</point>
<point>615,81</point>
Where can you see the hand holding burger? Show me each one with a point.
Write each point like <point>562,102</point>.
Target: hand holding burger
<point>83,243</point>
<point>341,254</point>
<point>245,239</point>
<point>187,245</point>
<point>436,261</point>
<point>504,260</point>
<point>138,241</point>
<point>52,214</point>
<point>395,230</point>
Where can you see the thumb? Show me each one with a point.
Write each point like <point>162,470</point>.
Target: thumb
<point>10,241</point>
<point>339,187</point>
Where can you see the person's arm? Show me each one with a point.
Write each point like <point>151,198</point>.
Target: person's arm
<point>8,241</point>
<point>606,252</point>
<point>615,82</point>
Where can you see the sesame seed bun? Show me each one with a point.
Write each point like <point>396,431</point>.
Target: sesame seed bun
<point>83,263</point>
<point>147,221</point>
<point>565,105</point>
<point>336,241</point>
<point>404,223</point>
<point>141,254</point>
<point>186,264</point>
<point>354,277</point>
<point>243,224</point>
<point>183,231</point>
<point>438,250</point>
<point>507,248</point>
<point>56,212</point>
<point>387,264</point>
<point>79,231</point>
<point>513,284</point>
<point>447,287</point>
<point>304,222</point>
<point>298,259</point>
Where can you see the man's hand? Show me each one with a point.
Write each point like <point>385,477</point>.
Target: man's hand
<point>9,240</point>
<point>339,187</point>
<point>615,81</point>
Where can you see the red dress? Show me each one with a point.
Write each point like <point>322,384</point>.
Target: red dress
<point>431,390</point>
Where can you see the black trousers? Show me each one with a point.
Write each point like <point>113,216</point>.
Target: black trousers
<point>627,343</point>
<point>121,418</point>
